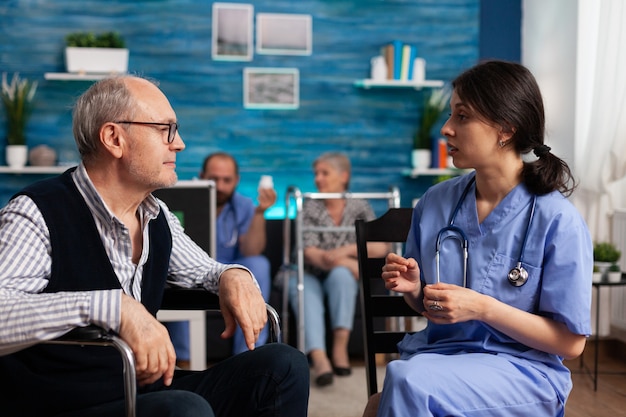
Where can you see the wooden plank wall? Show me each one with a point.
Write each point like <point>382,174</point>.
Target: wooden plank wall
<point>170,40</point>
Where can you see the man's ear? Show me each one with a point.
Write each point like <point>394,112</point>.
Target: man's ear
<point>112,137</point>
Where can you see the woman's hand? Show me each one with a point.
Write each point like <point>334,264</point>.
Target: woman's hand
<point>448,303</point>
<point>401,274</point>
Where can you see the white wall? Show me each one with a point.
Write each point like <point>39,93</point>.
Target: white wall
<point>558,37</point>
<point>549,31</point>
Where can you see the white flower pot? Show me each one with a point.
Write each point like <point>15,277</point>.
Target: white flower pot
<point>614,276</point>
<point>96,60</point>
<point>16,155</point>
<point>421,158</point>
<point>597,277</point>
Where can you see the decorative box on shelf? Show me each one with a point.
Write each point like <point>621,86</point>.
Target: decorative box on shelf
<point>418,85</point>
<point>418,172</point>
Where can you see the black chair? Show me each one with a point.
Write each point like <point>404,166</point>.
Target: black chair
<point>381,308</point>
<point>173,299</point>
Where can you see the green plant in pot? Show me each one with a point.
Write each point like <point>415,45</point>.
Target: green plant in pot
<point>87,52</point>
<point>17,100</point>
<point>434,104</point>
<point>614,273</point>
<point>91,40</point>
<point>605,254</point>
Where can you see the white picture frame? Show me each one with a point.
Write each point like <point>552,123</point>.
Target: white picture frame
<point>284,34</point>
<point>231,32</point>
<point>271,88</point>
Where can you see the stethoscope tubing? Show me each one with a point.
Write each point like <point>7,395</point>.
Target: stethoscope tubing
<point>516,277</point>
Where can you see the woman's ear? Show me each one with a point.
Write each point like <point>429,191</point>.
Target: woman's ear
<point>112,137</point>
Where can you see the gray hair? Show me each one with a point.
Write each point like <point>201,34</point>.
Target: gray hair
<point>337,160</point>
<point>105,101</point>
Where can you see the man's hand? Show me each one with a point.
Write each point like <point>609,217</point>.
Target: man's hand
<point>241,302</point>
<point>266,198</point>
<point>151,344</point>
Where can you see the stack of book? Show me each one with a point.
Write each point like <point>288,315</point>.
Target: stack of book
<point>401,59</point>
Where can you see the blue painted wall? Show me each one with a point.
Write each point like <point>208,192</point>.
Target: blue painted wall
<point>170,40</point>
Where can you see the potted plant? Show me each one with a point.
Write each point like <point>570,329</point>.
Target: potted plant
<point>605,254</point>
<point>87,52</point>
<point>615,273</point>
<point>434,105</point>
<point>597,274</point>
<point>17,98</point>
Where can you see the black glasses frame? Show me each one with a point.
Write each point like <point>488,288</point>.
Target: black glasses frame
<point>171,134</point>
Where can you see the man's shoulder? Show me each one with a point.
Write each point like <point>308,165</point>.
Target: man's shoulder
<point>239,200</point>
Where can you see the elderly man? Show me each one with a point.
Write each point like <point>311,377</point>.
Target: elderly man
<point>93,246</point>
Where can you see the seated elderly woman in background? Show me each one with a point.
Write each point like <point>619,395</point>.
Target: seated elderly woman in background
<point>331,267</point>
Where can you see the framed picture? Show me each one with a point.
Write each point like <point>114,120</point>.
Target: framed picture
<point>232,32</point>
<point>284,34</point>
<point>271,88</point>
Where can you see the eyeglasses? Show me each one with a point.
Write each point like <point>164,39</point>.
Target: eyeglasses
<point>171,134</point>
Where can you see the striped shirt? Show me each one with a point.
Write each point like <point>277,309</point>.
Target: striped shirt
<point>28,315</point>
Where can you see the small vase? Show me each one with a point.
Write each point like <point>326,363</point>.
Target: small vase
<point>421,159</point>
<point>16,155</point>
<point>614,276</point>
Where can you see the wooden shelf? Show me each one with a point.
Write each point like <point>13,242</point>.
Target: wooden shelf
<point>70,76</point>
<point>56,169</point>
<point>433,172</point>
<point>369,83</point>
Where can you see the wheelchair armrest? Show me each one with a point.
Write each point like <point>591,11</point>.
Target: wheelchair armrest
<point>88,333</point>
<point>175,298</point>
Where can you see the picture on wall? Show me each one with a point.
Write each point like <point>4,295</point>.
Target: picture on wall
<point>284,34</point>
<point>231,38</point>
<point>271,88</point>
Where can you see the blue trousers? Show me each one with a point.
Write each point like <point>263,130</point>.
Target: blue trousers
<point>469,385</point>
<point>272,380</point>
<point>179,330</point>
<point>340,289</point>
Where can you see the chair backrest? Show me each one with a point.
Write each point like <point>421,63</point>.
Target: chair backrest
<point>380,305</point>
<point>193,202</point>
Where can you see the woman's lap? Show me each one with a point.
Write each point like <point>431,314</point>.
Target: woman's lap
<point>471,384</point>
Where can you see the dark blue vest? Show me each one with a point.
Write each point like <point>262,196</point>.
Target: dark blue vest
<point>46,379</point>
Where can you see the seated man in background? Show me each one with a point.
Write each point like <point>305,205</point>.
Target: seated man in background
<point>240,236</point>
<point>240,230</point>
<point>94,246</point>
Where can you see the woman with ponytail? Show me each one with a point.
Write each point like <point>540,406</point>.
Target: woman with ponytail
<point>497,260</point>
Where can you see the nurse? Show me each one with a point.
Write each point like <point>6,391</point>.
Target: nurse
<point>497,334</point>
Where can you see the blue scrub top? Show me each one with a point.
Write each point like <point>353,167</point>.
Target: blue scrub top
<point>232,222</point>
<point>558,257</point>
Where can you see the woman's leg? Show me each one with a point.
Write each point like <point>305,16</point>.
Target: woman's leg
<point>341,289</point>
<point>468,384</point>
<point>314,326</point>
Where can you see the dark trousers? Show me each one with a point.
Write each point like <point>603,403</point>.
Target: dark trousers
<point>270,381</point>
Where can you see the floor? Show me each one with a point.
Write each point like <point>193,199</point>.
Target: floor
<point>348,395</point>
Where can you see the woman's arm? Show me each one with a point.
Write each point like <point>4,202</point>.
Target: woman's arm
<point>542,333</point>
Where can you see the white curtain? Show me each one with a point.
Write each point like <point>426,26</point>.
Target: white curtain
<point>601,107</point>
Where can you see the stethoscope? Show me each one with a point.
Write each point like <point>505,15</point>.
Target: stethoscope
<point>234,233</point>
<point>517,276</point>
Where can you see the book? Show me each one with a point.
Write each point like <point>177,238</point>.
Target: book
<point>405,61</point>
<point>397,59</point>
<point>388,54</point>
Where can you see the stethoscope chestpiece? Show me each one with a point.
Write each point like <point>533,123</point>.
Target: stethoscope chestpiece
<point>518,276</point>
